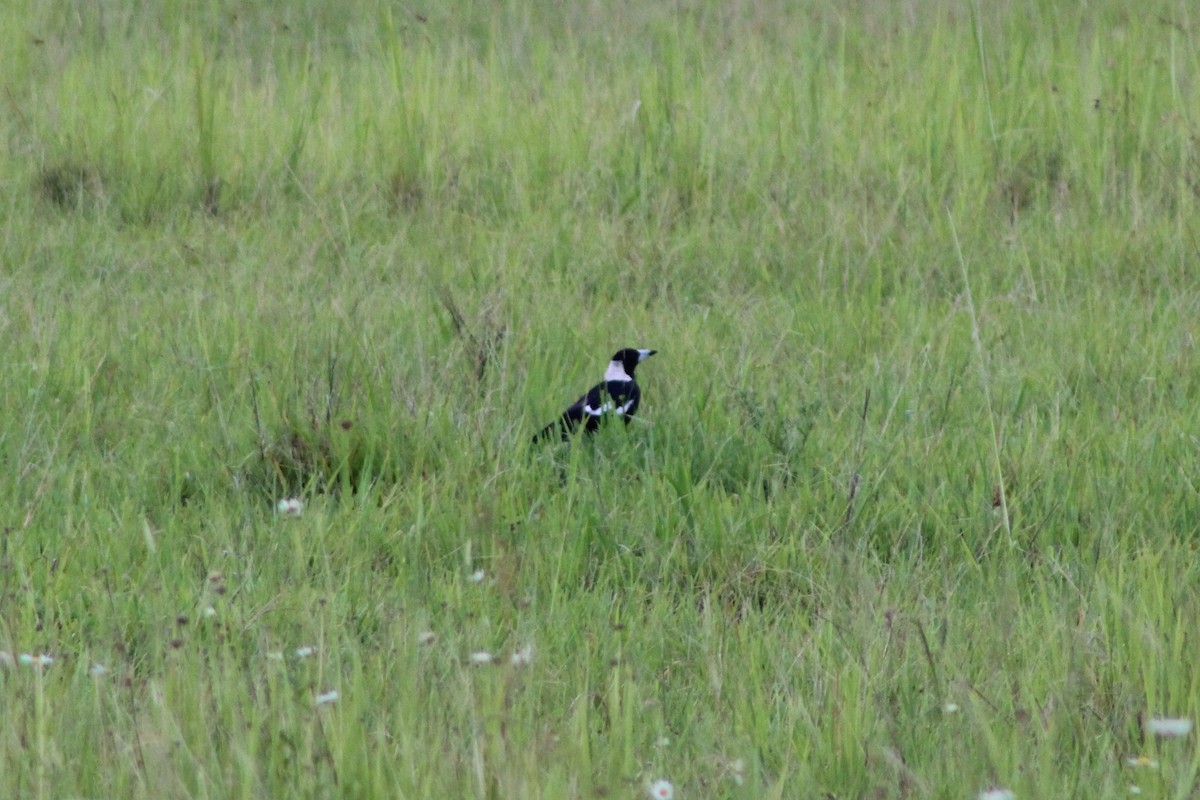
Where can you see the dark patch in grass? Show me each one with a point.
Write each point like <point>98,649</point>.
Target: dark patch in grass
<point>68,186</point>
<point>384,562</point>
<point>182,489</point>
<point>1031,179</point>
<point>758,589</point>
<point>324,459</point>
<point>327,454</point>
<point>212,197</point>
<point>405,192</point>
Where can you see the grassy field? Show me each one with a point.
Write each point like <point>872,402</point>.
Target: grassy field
<point>911,508</point>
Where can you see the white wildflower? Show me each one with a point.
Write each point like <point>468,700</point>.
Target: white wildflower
<point>996,793</point>
<point>305,652</point>
<point>328,697</point>
<point>290,506</point>
<point>35,661</point>
<point>662,790</point>
<point>98,670</point>
<point>522,657</point>
<point>481,657</point>
<point>1169,727</point>
<point>477,576</point>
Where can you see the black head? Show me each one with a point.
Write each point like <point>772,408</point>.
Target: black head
<point>630,357</point>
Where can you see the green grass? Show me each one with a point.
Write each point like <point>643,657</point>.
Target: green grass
<point>922,430</point>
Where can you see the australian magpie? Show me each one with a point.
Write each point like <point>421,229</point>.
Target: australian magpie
<point>615,396</point>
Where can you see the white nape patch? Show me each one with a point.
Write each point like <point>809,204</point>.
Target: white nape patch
<point>616,372</point>
<point>643,355</point>
<point>597,412</point>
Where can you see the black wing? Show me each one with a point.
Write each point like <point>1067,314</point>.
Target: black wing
<point>605,399</point>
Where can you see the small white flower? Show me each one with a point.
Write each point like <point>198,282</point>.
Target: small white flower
<point>1135,789</point>
<point>996,793</point>
<point>737,770</point>
<point>98,670</point>
<point>950,708</point>
<point>522,657</point>
<point>209,612</point>
<point>35,661</point>
<point>327,698</point>
<point>290,506</point>
<point>481,657</point>
<point>1169,727</point>
<point>426,638</point>
<point>662,790</point>
<point>1142,761</point>
<point>476,576</point>
<point>305,652</point>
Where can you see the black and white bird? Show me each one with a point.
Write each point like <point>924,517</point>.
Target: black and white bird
<point>617,395</point>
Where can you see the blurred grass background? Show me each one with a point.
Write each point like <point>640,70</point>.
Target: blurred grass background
<point>921,431</point>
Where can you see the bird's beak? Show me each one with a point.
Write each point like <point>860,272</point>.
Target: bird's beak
<point>644,354</point>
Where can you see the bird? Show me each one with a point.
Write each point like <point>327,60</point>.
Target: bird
<point>617,395</point>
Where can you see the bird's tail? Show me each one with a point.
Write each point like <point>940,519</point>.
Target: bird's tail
<point>546,433</point>
<point>555,430</point>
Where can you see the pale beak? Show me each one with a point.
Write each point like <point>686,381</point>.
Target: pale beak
<point>644,354</point>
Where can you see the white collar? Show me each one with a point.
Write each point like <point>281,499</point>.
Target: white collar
<point>616,372</point>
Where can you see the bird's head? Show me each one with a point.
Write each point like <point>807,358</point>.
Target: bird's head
<point>626,361</point>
